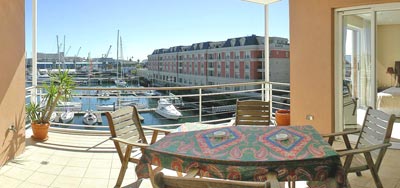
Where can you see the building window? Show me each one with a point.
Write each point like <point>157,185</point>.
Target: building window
<point>247,56</point>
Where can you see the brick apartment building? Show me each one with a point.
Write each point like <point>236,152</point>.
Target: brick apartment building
<point>209,63</point>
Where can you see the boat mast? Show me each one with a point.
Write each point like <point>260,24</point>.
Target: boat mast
<point>63,62</point>
<point>58,50</point>
<point>122,58</point>
<point>117,51</point>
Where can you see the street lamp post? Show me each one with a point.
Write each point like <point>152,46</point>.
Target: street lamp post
<point>266,44</point>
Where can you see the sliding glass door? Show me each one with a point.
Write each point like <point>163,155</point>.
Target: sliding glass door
<point>366,49</point>
<point>357,68</point>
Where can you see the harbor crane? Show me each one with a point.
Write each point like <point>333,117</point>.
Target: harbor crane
<point>77,53</point>
<point>65,55</point>
<point>108,52</point>
<point>105,62</point>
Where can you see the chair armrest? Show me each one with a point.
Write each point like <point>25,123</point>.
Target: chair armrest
<point>141,145</point>
<point>364,150</point>
<point>156,129</point>
<point>342,133</point>
<point>155,132</point>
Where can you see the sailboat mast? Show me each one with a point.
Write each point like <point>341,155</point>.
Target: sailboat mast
<point>117,50</point>
<point>122,58</point>
<point>63,62</point>
<point>58,50</point>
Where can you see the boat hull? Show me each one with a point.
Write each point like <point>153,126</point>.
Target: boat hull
<point>67,117</point>
<point>167,115</point>
<point>89,118</point>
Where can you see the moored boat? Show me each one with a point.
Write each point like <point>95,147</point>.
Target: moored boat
<point>176,101</point>
<point>167,110</point>
<point>67,116</point>
<point>89,118</point>
<point>120,83</point>
<point>53,116</point>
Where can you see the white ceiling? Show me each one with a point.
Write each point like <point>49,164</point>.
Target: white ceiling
<point>385,17</point>
<point>388,17</point>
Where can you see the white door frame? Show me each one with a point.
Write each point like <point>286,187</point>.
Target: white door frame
<point>338,49</point>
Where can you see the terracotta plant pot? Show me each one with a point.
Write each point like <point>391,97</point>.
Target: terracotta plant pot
<point>282,117</point>
<point>40,131</point>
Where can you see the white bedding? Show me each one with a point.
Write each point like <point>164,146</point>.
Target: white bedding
<point>389,101</point>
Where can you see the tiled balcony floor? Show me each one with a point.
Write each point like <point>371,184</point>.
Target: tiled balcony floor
<point>91,161</point>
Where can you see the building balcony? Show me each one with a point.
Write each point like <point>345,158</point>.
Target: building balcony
<point>78,155</point>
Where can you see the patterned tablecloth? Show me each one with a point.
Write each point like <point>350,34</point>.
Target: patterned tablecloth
<point>246,153</point>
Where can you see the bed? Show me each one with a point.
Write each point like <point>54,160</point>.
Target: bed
<point>389,101</point>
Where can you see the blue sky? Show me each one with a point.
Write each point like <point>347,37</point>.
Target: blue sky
<point>146,25</point>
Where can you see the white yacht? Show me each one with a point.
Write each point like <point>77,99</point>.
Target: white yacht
<point>167,110</point>
<point>89,118</point>
<point>176,101</point>
<point>42,76</point>
<point>120,83</point>
<point>67,116</point>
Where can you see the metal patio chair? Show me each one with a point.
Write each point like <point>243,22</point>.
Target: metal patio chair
<point>127,134</point>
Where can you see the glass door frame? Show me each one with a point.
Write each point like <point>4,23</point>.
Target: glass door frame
<point>338,51</point>
<point>339,56</point>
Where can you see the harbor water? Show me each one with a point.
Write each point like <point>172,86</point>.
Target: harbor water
<point>146,106</point>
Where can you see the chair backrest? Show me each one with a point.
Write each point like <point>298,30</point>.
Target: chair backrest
<point>124,123</point>
<point>162,181</point>
<point>376,129</point>
<point>253,112</point>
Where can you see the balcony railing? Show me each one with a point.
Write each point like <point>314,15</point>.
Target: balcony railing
<point>206,104</point>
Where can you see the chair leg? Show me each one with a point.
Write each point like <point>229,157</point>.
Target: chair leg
<point>373,170</point>
<point>292,184</point>
<point>355,105</point>
<point>124,166</point>
<point>358,174</point>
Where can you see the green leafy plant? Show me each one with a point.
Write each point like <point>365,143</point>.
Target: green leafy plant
<point>60,88</point>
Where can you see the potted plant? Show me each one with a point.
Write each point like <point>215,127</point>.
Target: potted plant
<point>60,87</point>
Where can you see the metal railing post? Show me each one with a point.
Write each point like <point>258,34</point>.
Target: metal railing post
<point>270,99</point>
<point>34,52</point>
<point>200,105</point>
<point>263,92</point>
